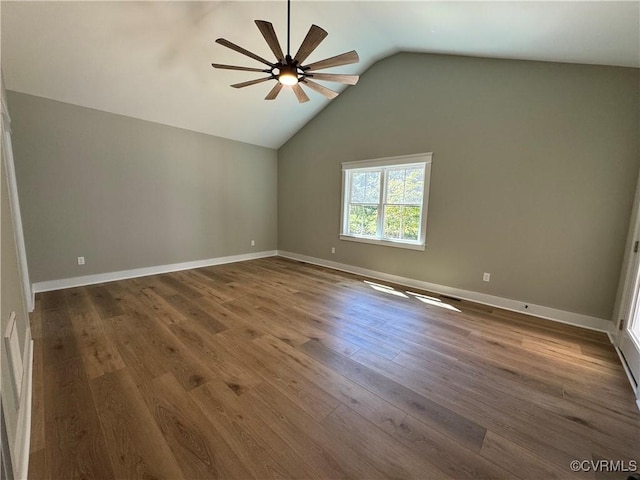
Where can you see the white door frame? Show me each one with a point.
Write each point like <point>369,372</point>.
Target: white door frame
<point>14,202</point>
<point>628,309</point>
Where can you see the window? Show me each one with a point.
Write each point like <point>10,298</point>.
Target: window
<point>384,201</point>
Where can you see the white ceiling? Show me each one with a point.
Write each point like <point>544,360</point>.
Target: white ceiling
<point>151,60</point>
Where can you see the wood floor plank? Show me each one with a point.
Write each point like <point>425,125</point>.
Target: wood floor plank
<point>176,282</point>
<point>545,362</point>
<point>134,348</point>
<point>308,438</point>
<point>200,450</point>
<point>448,422</point>
<point>379,449</point>
<point>526,399</point>
<point>218,403</point>
<point>134,442</point>
<point>99,353</point>
<point>75,445</point>
<point>313,400</point>
<point>308,325</point>
<point>345,336</point>
<point>194,313</point>
<point>375,409</point>
<point>78,301</point>
<point>451,457</point>
<point>220,360</point>
<point>547,328</point>
<point>518,460</point>
<point>216,275</point>
<point>211,288</point>
<point>245,309</point>
<point>603,401</point>
<point>37,466</point>
<point>223,314</point>
<point>164,345</point>
<point>52,300</point>
<point>518,362</point>
<point>59,342</point>
<point>493,412</point>
<point>156,304</point>
<point>106,305</point>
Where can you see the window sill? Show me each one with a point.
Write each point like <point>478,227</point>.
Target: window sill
<point>385,243</point>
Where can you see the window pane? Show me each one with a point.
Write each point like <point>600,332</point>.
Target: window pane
<point>365,187</point>
<point>402,223</point>
<point>395,186</point>
<point>410,223</point>
<point>363,220</point>
<point>414,186</point>
<point>392,221</point>
<point>405,186</point>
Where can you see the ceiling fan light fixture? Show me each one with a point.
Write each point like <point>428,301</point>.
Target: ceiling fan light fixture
<point>288,76</point>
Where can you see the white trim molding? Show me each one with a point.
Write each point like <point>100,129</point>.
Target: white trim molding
<point>143,272</point>
<point>23,437</point>
<point>382,166</point>
<point>561,316</point>
<point>14,201</point>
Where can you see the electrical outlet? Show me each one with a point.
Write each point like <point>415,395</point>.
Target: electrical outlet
<point>486,277</point>
<point>253,243</point>
<point>333,249</point>
<point>80,260</point>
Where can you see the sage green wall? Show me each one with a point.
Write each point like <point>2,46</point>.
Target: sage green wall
<point>126,193</point>
<point>533,175</point>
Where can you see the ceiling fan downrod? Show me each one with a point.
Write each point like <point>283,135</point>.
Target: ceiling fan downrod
<point>288,71</point>
<point>288,28</point>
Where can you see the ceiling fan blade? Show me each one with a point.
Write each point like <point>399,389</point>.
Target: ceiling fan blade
<point>300,95</point>
<point>233,67</point>
<point>342,59</point>
<point>274,92</point>
<point>314,37</point>
<point>251,82</point>
<point>269,34</point>
<point>243,51</point>
<point>334,77</point>
<point>327,92</point>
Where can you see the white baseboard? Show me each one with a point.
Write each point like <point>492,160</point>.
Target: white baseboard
<point>143,272</point>
<point>612,333</point>
<point>562,316</point>
<point>23,434</point>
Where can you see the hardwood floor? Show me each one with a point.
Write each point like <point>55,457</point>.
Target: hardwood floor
<point>274,369</point>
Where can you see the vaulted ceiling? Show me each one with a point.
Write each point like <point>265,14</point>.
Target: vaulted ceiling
<point>151,60</point>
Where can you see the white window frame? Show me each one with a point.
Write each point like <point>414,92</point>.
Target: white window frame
<point>384,165</point>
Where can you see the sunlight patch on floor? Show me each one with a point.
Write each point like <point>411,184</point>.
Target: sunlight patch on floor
<point>436,302</point>
<point>385,289</point>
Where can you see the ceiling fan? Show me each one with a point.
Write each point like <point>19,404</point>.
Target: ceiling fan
<point>289,71</point>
